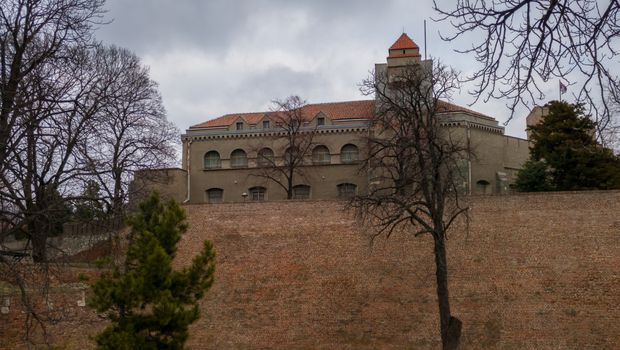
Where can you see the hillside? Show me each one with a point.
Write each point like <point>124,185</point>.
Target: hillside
<point>532,271</point>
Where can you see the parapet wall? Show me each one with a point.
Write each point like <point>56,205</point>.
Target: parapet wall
<point>535,271</point>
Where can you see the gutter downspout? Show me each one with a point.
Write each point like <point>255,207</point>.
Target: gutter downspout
<point>468,159</point>
<point>189,168</point>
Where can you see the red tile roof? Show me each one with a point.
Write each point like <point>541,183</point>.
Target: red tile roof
<point>334,110</point>
<point>404,42</point>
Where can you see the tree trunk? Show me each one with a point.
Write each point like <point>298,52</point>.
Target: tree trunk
<point>289,190</point>
<point>450,326</point>
<point>39,245</point>
<point>38,236</point>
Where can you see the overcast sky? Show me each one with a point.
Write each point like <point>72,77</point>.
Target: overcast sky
<point>213,57</point>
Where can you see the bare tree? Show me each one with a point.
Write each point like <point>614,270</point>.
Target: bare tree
<point>70,112</point>
<point>58,101</point>
<point>414,168</point>
<point>43,166</point>
<point>32,33</point>
<point>35,37</point>
<point>131,132</point>
<point>295,138</point>
<point>521,43</point>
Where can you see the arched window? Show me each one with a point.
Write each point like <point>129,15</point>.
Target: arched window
<point>293,156</point>
<point>215,195</point>
<point>320,155</point>
<point>483,187</point>
<point>265,157</point>
<point>257,193</point>
<point>301,192</point>
<point>212,160</point>
<point>238,159</point>
<point>347,190</point>
<point>349,153</point>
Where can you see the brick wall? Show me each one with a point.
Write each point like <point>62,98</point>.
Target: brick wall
<point>537,271</point>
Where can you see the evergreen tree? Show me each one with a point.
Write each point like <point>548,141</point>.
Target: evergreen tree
<point>533,177</point>
<point>150,304</point>
<point>89,206</point>
<point>565,155</point>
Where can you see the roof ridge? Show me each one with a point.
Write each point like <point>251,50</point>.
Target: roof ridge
<point>307,104</point>
<point>348,101</point>
<point>243,113</point>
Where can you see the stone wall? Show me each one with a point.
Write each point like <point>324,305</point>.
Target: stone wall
<point>535,271</point>
<point>75,238</point>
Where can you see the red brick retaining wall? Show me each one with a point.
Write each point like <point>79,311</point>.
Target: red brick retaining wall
<point>533,272</point>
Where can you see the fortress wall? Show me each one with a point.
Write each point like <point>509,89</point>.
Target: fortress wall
<point>535,271</point>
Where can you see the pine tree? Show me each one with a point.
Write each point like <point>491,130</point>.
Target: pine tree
<point>149,304</point>
<point>565,155</point>
<point>89,206</point>
<point>534,177</point>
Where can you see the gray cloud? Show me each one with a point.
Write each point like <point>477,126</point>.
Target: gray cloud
<point>216,57</point>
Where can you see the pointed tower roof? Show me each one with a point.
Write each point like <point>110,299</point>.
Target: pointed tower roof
<point>404,42</point>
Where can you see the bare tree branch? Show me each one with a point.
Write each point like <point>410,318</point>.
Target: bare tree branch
<point>523,43</point>
<point>291,126</point>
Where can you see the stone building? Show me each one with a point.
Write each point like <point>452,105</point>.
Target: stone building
<point>222,157</point>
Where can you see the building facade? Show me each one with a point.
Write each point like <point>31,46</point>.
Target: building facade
<point>224,158</point>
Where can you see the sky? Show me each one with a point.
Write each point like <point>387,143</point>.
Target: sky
<point>216,57</point>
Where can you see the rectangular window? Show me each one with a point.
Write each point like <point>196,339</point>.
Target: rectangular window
<point>257,194</point>
<point>320,121</point>
<point>301,192</point>
<point>239,125</point>
<point>265,124</point>
<point>346,190</point>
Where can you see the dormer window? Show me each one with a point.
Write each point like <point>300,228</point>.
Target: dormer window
<point>265,124</point>
<point>320,121</point>
<point>239,125</point>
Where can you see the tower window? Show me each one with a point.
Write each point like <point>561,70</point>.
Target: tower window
<point>239,125</point>
<point>320,121</point>
<point>265,124</point>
